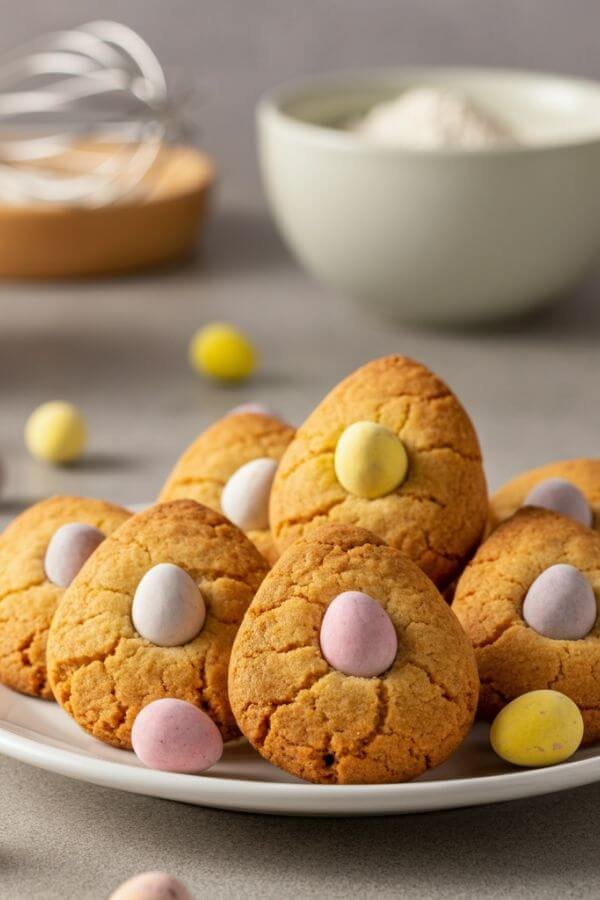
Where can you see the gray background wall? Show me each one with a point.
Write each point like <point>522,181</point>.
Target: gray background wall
<point>238,48</point>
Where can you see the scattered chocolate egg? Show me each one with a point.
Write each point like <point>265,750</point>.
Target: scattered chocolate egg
<point>168,608</point>
<point>540,728</point>
<point>561,496</point>
<point>370,460</point>
<point>223,352</point>
<point>69,547</point>
<point>245,497</point>
<point>357,635</point>
<point>151,886</point>
<point>56,432</point>
<point>175,736</point>
<point>561,604</point>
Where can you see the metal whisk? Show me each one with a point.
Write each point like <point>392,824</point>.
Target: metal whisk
<point>83,115</point>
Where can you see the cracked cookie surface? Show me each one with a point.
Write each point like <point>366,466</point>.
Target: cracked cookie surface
<point>102,671</point>
<point>583,473</point>
<point>438,513</point>
<point>322,725</point>
<point>512,657</point>
<point>205,467</point>
<point>27,598</point>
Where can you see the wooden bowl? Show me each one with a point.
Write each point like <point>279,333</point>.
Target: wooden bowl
<point>154,225</point>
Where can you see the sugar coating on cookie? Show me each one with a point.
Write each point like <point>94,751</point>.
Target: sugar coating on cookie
<point>436,515</point>
<point>102,671</point>
<point>542,487</point>
<point>28,596</point>
<point>323,725</point>
<point>206,466</point>
<point>513,657</point>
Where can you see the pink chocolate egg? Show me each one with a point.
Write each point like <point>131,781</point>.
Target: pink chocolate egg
<point>175,736</point>
<point>69,548</point>
<point>563,497</point>
<point>357,635</point>
<point>151,886</point>
<point>560,604</point>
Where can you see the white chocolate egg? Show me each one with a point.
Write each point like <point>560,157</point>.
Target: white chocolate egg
<point>245,497</point>
<point>69,548</point>
<point>168,608</point>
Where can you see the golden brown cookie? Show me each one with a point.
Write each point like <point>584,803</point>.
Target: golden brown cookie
<point>205,467</point>
<point>512,657</point>
<point>102,671</point>
<point>436,516</point>
<point>583,473</point>
<point>27,597</point>
<point>325,726</point>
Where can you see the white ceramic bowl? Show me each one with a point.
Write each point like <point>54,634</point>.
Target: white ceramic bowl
<point>438,236</point>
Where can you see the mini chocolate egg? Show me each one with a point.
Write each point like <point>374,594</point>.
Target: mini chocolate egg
<point>168,608</point>
<point>245,497</point>
<point>175,736</point>
<point>56,432</point>
<point>563,497</point>
<point>256,408</point>
<point>69,547</point>
<point>540,728</point>
<point>222,352</point>
<point>560,604</point>
<point>370,460</point>
<point>151,886</point>
<point>357,635</point>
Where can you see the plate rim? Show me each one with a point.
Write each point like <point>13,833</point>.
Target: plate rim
<point>306,798</point>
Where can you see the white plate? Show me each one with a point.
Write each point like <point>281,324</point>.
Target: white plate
<point>40,733</point>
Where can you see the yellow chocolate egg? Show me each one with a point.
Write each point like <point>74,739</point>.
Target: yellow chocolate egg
<point>56,432</point>
<point>222,352</point>
<point>540,728</point>
<point>370,460</point>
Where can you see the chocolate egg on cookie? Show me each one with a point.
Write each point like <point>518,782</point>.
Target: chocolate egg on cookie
<point>529,602</point>
<point>230,468</point>
<point>153,616</point>
<point>349,667</point>
<point>570,487</point>
<point>41,552</point>
<point>392,450</point>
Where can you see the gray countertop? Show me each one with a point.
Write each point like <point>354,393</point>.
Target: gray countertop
<point>118,349</point>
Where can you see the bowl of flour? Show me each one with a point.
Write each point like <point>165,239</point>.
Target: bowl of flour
<point>439,196</point>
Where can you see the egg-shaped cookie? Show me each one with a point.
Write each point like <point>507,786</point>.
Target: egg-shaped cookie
<point>429,500</point>
<point>323,614</point>
<point>29,593</point>
<point>102,670</point>
<point>548,486</point>
<point>203,471</point>
<point>528,601</point>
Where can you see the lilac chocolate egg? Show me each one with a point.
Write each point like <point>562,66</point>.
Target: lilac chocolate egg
<point>358,636</point>
<point>69,547</point>
<point>560,604</point>
<point>151,886</point>
<point>168,608</point>
<point>175,736</point>
<point>563,497</point>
